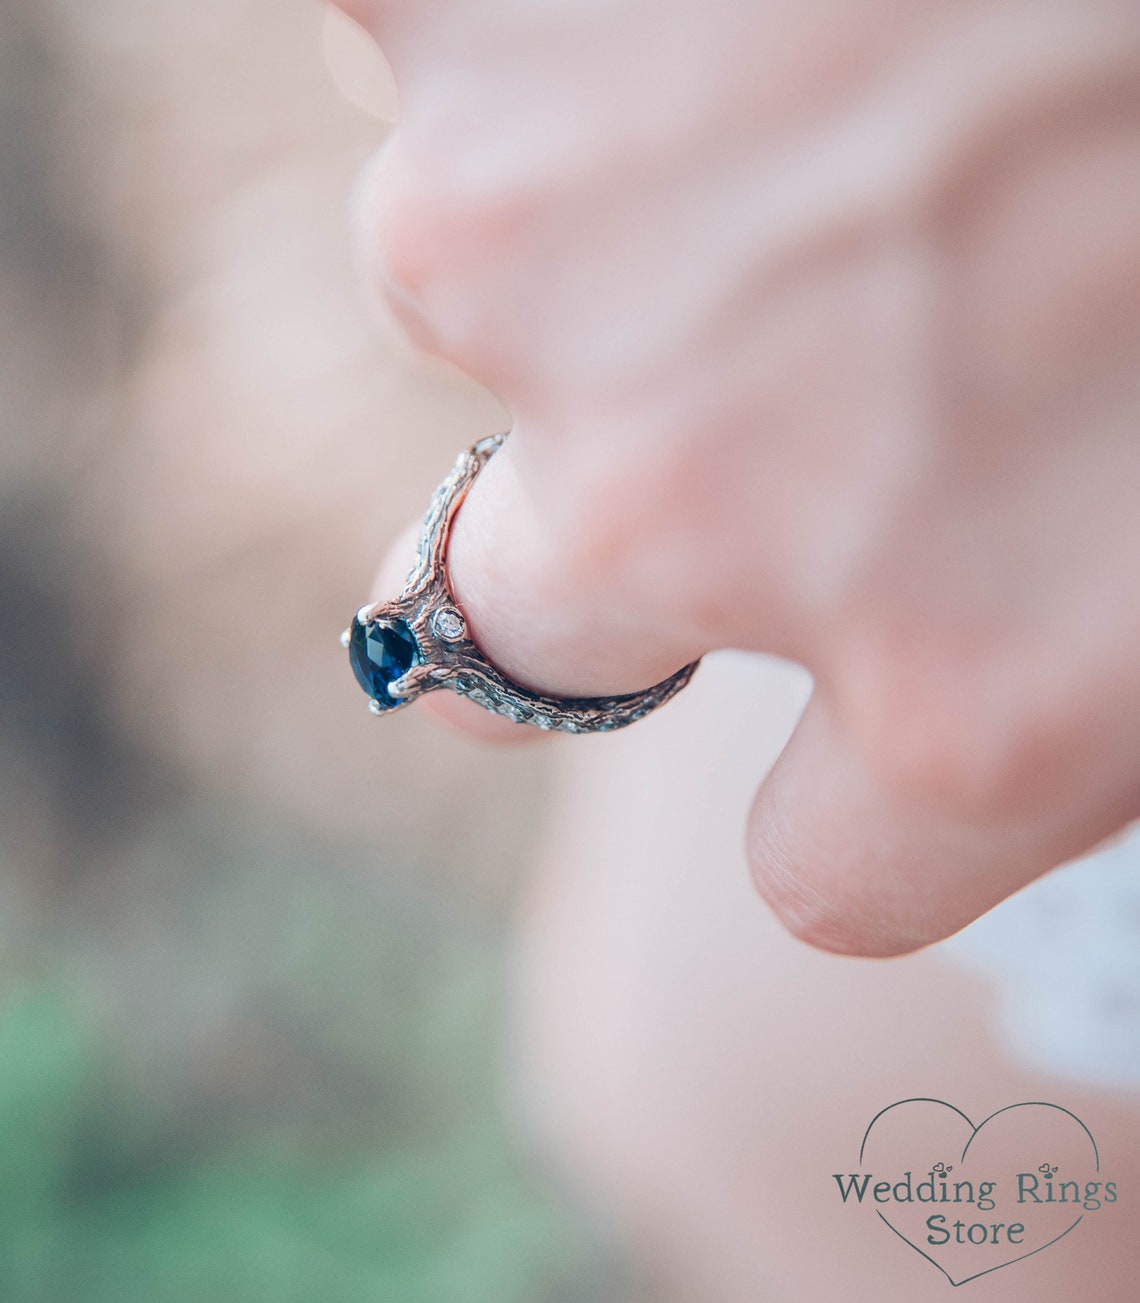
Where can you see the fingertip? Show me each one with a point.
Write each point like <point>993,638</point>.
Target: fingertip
<point>788,882</point>
<point>856,869</point>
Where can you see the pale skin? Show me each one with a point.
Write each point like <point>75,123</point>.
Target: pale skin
<point>819,328</point>
<point>702,1075</point>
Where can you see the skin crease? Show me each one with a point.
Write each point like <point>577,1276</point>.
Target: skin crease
<point>818,324</point>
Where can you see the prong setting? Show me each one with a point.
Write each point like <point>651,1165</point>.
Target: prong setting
<point>420,678</point>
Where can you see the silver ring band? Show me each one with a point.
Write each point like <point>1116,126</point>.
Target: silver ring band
<point>419,642</point>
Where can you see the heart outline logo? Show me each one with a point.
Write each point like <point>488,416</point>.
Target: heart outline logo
<point>975,1130</point>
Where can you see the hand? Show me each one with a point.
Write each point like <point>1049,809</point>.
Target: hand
<point>819,326</point>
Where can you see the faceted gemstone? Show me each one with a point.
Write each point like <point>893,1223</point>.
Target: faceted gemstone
<point>379,655</point>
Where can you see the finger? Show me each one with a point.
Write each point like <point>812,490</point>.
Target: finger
<point>449,708</point>
<point>539,598</point>
<point>854,866</point>
<point>542,573</point>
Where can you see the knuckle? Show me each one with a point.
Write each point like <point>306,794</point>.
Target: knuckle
<point>444,259</point>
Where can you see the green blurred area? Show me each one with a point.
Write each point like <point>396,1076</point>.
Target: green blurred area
<point>276,1081</point>
<point>96,1206</point>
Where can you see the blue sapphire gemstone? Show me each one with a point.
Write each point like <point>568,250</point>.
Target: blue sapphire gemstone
<point>379,655</point>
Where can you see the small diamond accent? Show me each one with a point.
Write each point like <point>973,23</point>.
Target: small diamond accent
<point>449,625</point>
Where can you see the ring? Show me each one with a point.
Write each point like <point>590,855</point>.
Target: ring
<point>419,642</point>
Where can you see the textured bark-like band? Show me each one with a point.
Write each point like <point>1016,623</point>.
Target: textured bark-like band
<point>419,642</point>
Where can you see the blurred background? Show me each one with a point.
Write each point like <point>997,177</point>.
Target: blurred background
<point>252,942</point>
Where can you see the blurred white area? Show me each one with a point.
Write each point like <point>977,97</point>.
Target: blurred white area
<point>1064,955</point>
